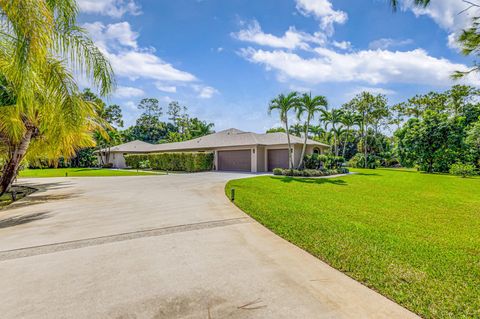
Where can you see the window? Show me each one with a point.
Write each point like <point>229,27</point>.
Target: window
<point>316,151</point>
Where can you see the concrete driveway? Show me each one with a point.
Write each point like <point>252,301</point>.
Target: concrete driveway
<point>161,247</point>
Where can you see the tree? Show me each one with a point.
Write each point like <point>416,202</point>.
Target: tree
<point>297,129</point>
<point>363,105</point>
<point>42,112</point>
<point>176,113</point>
<point>275,130</point>
<point>348,120</point>
<point>198,128</point>
<point>285,104</point>
<point>310,107</point>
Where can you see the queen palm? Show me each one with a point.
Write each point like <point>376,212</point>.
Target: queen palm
<point>309,106</point>
<point>348,120</point>
<point>42,111</point>
<point>332,118</point>
<point>284,104</point>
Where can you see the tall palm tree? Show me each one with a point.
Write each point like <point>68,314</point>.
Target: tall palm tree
<point>316,131</point>
<point>348,120</point>
<point>309,106</point>
<point>332,118</point>
<point>285,104</point>
<point>41,108</point>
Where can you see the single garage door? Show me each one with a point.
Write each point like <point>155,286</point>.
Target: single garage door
<point>277,159</point>
<point>240,160</point>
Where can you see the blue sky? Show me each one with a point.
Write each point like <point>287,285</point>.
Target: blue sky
<point>226,59</point>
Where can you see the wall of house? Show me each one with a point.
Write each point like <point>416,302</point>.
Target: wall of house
<point>116,158</point>
<point>261,157</point>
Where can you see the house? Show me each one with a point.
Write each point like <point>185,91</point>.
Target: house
<point>234,150</point>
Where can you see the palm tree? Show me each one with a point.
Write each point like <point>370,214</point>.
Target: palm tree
<point>296,129</point>
<point>42,110</point>
<point>285,104</point>
<point>332,118</point>
<point>348,120</point>
<point>316,130</point>
<point>310,106</point>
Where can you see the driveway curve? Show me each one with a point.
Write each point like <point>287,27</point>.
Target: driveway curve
<point>168,246</point>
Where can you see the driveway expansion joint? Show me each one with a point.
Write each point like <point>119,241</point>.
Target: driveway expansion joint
<point>81,243</point>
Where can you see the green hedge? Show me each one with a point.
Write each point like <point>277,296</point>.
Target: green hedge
<point>186,162</point>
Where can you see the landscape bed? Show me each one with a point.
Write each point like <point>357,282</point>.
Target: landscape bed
<point>413,237</point>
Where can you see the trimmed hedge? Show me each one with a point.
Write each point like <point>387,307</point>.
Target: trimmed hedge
<point>185,162</point>
<point>310,172</point>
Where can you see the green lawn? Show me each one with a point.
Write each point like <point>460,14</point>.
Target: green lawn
<point>413,237</point>
<point>80,172</point>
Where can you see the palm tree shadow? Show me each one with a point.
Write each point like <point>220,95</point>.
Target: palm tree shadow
<point>318,181</point>
<point>22,219</point>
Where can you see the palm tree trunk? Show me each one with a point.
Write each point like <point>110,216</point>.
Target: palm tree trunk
<point>307,124</point>
<point>10,169</point>
<point>290,160</point>
<point>345,143</point>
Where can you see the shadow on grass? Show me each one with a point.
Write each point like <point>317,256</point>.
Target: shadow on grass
<point>20,220</point>
<point>340,182</point>
<point>366,174</point>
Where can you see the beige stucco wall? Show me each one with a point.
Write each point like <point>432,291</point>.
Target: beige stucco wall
<point>261,157</point>
<point>116,158</point>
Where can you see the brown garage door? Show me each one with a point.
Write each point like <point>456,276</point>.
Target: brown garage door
<point>277,159</point>
<point>240,160</point>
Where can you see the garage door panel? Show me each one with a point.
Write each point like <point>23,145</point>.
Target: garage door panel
<point>277,159</point>
<point>238,160</point>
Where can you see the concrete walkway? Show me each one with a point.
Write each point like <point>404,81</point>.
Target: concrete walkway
<point>169,246</point>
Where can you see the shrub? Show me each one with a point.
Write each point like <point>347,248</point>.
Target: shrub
<point>278,171</point>
<point>144,164</point>
<point>462,170</point>
<point>309,172</point>
<point>186,162</point>
<point>358,161</point>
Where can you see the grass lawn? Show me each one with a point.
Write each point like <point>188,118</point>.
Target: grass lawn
<point>413,237</point>
<point>80,172</point>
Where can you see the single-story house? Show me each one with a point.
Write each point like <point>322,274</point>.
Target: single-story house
<point>234,150</point>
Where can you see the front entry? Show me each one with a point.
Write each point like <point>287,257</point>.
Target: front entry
<point>238,160</point>
<point>277,159</point>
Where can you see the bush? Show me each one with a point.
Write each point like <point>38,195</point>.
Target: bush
<point>309,172</point>
<point>315,161</point>
<point>278,171</point>
<point>358,161</point>
<point>186,162</point>
<point>462,170</point>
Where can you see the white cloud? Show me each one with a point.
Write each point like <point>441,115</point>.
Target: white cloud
<point>385,43</point>
<point>448,14</point>
<point>112,8</point>
<point>166,88</point>
<point>368,66</point>
<point>112,35</point>
<point>204,92</point>
<point>119,43</point>
<point>128,91</point>
<point>292,39</point>
<point>344,45</point>
<point>373,90</point>
<point>323,11</point>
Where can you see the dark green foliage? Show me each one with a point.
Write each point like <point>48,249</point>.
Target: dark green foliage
<point>310,172</point>
<point>358,161</point>
<point>182,162</point>
<point>315,161</point>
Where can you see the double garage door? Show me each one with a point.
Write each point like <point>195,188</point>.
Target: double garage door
<point>241,160</point>
<point>238,160</point>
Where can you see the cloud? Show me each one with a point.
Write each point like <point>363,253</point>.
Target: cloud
<point>344,45</point>
<point>112,8</point>
<point>367,66</point>
<point>448,14</point>
<point>204,92</point>
<point>292,39</point>
<point>385,43</point>
<point>323,11</point>
<point>166,88</point>
<point>119,43</point>
<point>128,91</point>
<point>374,90</point>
